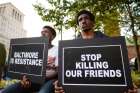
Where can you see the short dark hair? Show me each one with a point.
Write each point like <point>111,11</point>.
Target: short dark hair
<point>91,16</point>
<point>51,29</point>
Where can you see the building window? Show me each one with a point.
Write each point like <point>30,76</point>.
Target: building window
<point>13,13</point>
<point>2,9</point>
<point>20,17</point>
<point>16,15</point>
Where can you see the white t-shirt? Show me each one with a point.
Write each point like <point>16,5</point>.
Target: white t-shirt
<point>53,52</point>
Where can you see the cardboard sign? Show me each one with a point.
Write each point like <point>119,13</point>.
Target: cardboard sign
<point>98,65</point>
<point>28,56</point>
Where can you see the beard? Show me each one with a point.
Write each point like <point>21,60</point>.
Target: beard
<point>86,30</point>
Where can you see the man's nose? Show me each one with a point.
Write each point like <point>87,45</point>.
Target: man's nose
<point>83,21</point>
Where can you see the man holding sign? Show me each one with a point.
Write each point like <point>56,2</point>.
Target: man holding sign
<point>86,22</point>
<point>26,86</point>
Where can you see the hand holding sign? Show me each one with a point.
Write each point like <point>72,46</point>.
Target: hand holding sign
<point>58,89</point>
<point>51,60</point>
<point>134,90</point>
<point>51,70</point>
<point>25,82</point>
<point>131,91</point>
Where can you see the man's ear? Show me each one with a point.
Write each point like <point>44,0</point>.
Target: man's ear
<point>52,37</point>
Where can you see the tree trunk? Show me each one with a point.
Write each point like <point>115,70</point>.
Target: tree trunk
<point>61,33</point>
<point>134,36</point>
<point>0,73</point>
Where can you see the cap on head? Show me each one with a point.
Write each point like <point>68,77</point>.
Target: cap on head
<point>91,16</point>
<point>51,29</point>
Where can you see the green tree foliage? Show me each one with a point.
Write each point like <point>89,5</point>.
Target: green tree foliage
<point>111,23</point>
<point>63,13</point>
<point>2,55</point>
<point>110,15</point>
<point>132,9</point>
<point>2,58</point>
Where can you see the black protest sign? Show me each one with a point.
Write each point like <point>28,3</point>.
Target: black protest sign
<point>93,63</point>
<point>99,65</point>
<point>28,56</point>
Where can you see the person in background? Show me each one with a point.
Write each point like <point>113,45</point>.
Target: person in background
<point>25,85</point>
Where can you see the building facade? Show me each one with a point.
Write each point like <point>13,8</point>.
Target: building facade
<point>11,24</point>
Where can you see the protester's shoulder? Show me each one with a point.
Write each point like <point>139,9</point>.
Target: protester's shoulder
<point>55,47</point>
<point>99,34</point>
<point>53,50</point>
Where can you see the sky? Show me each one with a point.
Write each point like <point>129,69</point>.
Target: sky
<point>32,22</point>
